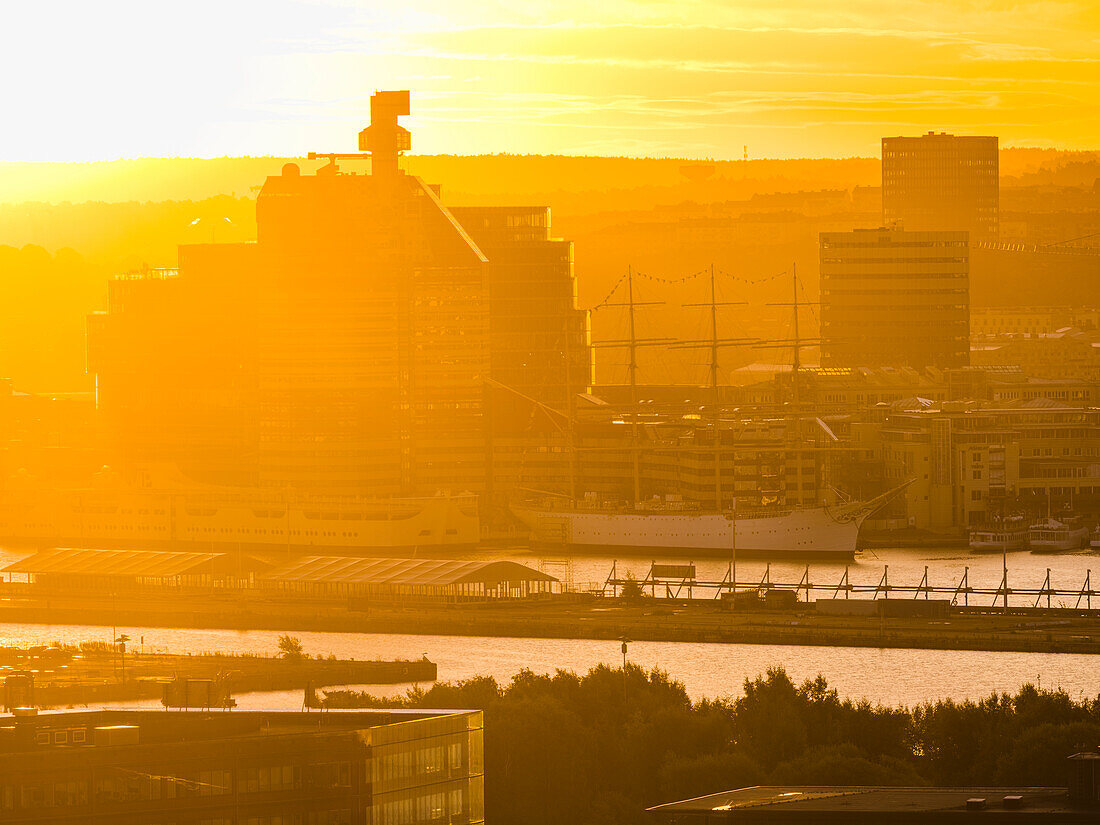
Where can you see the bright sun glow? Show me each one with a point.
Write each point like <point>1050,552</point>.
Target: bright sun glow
<point>127,78</point>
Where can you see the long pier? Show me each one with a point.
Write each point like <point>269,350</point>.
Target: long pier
<point>677,581</point>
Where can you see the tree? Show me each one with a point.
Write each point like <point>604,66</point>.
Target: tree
<point>631,588</point>
<point>290,647</point>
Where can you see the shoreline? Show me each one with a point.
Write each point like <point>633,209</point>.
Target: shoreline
<point>663,620</point>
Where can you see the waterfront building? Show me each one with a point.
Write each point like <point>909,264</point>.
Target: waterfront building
<point>764,460</point>
<point>364,345</point>
<point>837,389</point>
<point>942,182</point>
<point>891,297</point>
<point>337,767</point>
<point>973,461</point>
<point>1030,320</point>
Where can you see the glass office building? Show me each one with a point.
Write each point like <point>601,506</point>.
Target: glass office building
<point>333,767</point>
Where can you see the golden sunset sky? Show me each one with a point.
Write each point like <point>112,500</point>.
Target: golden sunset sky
<point>793,78</point>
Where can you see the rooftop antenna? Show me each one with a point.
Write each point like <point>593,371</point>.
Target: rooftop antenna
<point>383,140</point>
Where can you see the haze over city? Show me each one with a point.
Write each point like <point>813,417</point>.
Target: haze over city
<point>462,413</point>
<point>683,79</point>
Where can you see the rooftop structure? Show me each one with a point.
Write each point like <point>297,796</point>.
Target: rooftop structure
<point>1067,353</point>
<point>336,767</point>
<point>84,569</point>
<point>860,805</point>
<point>136,563</point>
<point>339,575</point>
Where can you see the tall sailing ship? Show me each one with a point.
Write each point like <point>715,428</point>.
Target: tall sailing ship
<point>674,527</point>
<point>826,533</point>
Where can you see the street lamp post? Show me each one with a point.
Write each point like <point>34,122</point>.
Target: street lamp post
<point>625,641</point>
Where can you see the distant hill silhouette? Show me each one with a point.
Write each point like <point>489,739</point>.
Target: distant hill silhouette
<point>473,178</point>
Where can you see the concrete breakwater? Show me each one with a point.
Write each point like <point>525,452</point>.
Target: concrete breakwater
<point>69,677</point>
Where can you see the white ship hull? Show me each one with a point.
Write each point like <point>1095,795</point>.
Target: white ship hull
<point>809,532</point>
<point>152,520</point>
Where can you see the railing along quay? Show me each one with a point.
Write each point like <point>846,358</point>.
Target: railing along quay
<point>672,581</point>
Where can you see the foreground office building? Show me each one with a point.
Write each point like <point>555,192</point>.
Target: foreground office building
<point>237,767</point>
<point>942,182</point>
<point>890,297</point>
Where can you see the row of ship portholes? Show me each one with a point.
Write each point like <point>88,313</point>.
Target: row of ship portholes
<point>262,532</point>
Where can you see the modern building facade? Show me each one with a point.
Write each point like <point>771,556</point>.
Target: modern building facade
<point>942,182</point>
<point>364,345</point>
<point>337,767</point>
<point>891,297</point>
<point>341,353</point>
<point>539,341</point>
<point>973,462</point>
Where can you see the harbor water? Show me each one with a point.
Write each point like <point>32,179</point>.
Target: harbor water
<point>885,676</point>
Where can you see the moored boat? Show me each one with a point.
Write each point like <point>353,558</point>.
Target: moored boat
<point>1058,535</point>
<point>1003,536</point>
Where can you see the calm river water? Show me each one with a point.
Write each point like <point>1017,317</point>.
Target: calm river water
<point>707,670</point>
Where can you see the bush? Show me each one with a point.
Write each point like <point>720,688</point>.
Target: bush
<point>290,647</point>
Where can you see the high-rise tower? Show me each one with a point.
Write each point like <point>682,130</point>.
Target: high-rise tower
<point>342,352</point>
<point>941,182</point>
<point>895,298</point>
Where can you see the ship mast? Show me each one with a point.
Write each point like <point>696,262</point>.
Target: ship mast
<point>798,342</point>
<point>571,410</point>
<point>632,343</point>
<point>714,344</point>
<point>796,360</point>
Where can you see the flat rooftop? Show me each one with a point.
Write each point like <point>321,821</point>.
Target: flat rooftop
<point>866,804</point>
<point>168,726</point>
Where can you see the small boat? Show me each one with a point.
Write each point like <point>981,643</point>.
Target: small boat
<point>1058,535</point>
<point>1000,537</point>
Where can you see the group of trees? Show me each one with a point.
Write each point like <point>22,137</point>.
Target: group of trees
<point>599,748</point>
